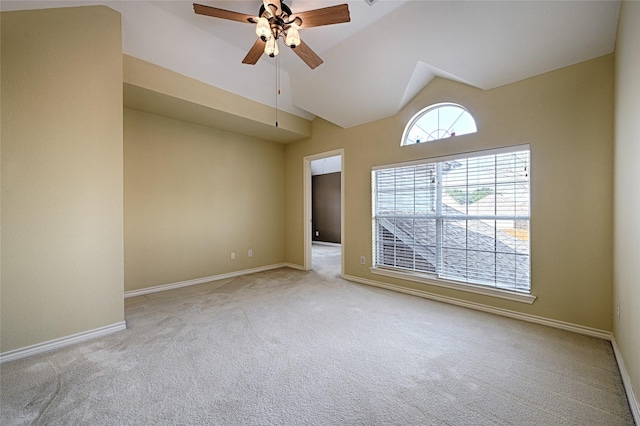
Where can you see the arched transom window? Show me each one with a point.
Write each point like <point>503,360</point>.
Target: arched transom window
<point>439,121</point>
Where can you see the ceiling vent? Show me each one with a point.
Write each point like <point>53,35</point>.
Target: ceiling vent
<point>370,2</point>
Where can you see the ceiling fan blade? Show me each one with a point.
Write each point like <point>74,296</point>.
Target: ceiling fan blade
<point>276,3</point>
<point>307,55</point>
<point>255,52</point>
<point>325,16</point>
<point>214,12</point>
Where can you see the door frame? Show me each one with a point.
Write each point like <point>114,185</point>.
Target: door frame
<point>307,220</point>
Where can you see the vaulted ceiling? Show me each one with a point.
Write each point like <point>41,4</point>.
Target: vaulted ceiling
<point>374,64</point>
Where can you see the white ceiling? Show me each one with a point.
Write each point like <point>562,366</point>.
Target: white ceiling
<point>374,64</point>
<point>327,165</point>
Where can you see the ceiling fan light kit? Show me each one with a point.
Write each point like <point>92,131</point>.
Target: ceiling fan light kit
<point>276,20</point>
<point>293,36</point>
<point>271,47</point>
<point>263,29</point>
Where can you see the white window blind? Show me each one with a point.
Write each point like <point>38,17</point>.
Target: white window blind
<point>463,219</point>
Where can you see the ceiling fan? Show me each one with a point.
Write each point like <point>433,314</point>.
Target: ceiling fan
<point>276,20</point>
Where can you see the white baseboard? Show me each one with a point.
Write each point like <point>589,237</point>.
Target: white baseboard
<point>294,266</point>
<point>626,381</point>
<point>61,342</point>
<point>171,286</point>
<point>594,332</point>
<point>326,243</point>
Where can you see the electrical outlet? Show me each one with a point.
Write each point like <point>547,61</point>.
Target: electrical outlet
<point>363,260</point>
<point>250,253</point>
<point>317,233</point>
<point>618,310</point>
<point>233,255</point>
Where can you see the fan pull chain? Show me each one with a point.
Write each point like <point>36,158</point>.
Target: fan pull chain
<point>277,86</point>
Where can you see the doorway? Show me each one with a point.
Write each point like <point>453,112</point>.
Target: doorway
<point>324,212</point>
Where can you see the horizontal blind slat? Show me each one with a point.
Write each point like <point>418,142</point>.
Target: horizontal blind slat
<point>484,218</point>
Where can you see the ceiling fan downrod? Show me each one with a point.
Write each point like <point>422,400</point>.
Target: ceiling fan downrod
<point>276,20</point>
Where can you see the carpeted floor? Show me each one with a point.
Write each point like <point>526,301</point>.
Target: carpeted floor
<point>308,348</point>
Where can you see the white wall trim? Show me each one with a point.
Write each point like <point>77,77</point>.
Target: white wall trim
<point>626,381</point>
<point>61,342</point>
<point>294,266</point>
<point>487,291</point>
<point>306,220</point>
<point>171,286</point>
<point>325,243</point>
<point>589,331</point>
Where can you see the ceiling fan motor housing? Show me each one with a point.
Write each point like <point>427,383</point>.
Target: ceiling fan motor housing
<point>275,21</point>
<point>279,23</point>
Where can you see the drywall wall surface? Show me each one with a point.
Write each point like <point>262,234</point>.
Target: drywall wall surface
<point>62,218</point>
<point>627,191</point>
<point>566,117</point>
<point>157,90</point>
<point>194,195</point>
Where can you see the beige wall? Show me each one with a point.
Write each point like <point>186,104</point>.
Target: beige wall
<point>567,118</point>
<point>62,220</point>
<point>151,88</point>
<point>194,194</point>
<point>627,190</point>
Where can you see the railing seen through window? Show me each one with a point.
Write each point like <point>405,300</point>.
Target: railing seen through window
<point>463,218</point>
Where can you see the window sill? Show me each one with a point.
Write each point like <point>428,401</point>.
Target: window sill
<point>471,288</point>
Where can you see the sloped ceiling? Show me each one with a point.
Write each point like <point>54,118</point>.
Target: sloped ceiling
<point>376,63</point>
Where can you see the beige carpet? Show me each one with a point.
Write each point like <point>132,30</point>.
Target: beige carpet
<point>298,348</point>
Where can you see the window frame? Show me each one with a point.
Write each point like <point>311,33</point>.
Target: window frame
<point>417,117</point>
<point>434,278</point>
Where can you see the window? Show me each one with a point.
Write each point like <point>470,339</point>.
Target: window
<point>460,219</point>
<point>438,121</point>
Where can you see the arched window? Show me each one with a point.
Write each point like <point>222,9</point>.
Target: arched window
<point>439,121</point>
